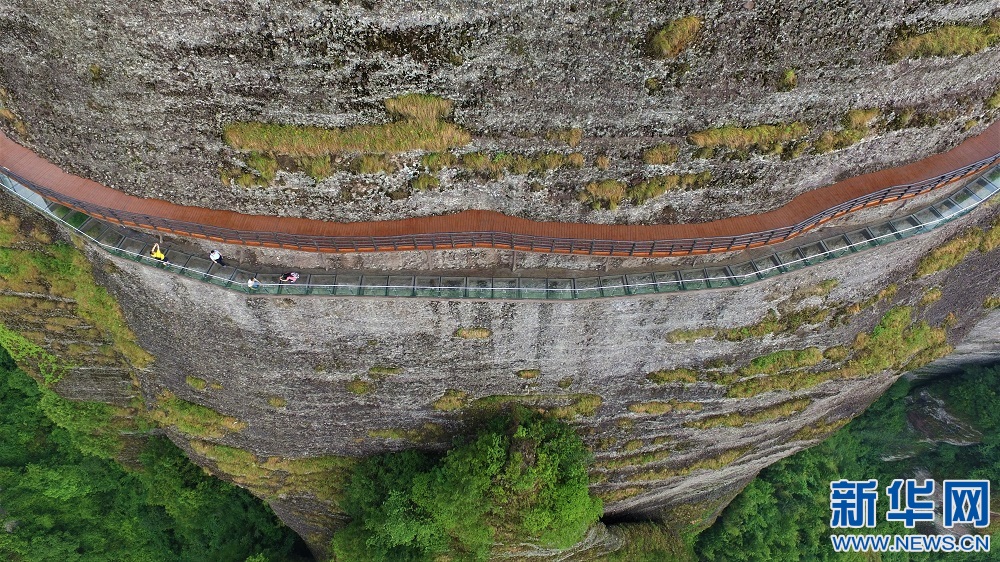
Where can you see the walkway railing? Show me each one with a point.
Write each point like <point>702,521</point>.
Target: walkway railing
<point>135,246</point>
<point>497,239</point>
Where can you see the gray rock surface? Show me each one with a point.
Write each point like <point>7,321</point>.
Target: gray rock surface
<point>135,95</point>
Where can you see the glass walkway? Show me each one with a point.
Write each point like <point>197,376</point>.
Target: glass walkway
<point>135,246</point>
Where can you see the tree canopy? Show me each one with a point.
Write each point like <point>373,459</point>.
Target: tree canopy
<point>523,479</point>
<point>61,500</point>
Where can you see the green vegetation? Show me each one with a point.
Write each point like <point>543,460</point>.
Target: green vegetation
<point>266,165</point>
<point>992,302</point>
<point>473,333</point>
<point>522,479</point>
<point>33,264</point>
<point>635,460</point>
<point>556,404</point>
<point>7,115</point>
<point>372,164</point>
<point>931,296</point>
<point>360,387</point>
<point>710,463</point>
<point>193,419</point>
<point>737,419</point>
<point>993,102</point>
<point>665,153</point>
<point>604,193</point>
<point>819,430</point>
<point>529,373</point>
<point>196,383</point>
<point>658,407</point>
<point>773,324</point>
<point>565,382</point>
<point>672,39</point>
<point>277,401</point>
<point>763,138</point>
<point>855,127</point>
<point>673,375</point>
<point>895,343</point>
<point>648,542</point>
<point>322,478</point>
<point>688,336</point>
<point>452,400</point>
<point>782,360</point>
<point>27,353</point>
<point>437,161</point>
<point>429,432</point>
<point>63,503</point>
<point>608,194</point>
<point>952,252</point>
<point>787,508</point>
<point>316,167</point>
<point>377,371</point>
<point>946,41</point>
<point>423,182</point>
<point>420,125</point>
<point>788,80</point>
<point>655,186</point>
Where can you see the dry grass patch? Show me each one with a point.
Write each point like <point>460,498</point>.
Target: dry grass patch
<point>603,162</point>
<point>195,382</point>
<point>992,302</point>
<point>672,39</point>
<point>193,419</point>
<point>688,336</point>
<point>673,375</point>
<point>452,400</point>
<point>473,333</point>
<point>572,136</point>
<point>428,432</point>
<point>992,102</point>
<point>819,430</point>
<point>360,387</point>
<point>761,137</point>
<point>949,40</point>
<point>665,153</point>
<point>657,407</point>
<point>419,126</point>
<point>737,419</point>
<point>529,373</point>
<point>931,296</point>
<point>712,463</point>
<point>606,193</point>
<point>619,494</point>
<point>578,404</point>
<point>635,460</point>
<point>949,254</point>
<point>788,80</point>
<point>424,182</point>
<point>277,401</point>
<point>384,370</point>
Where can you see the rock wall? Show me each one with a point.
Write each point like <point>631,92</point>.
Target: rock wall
<point>322,378</point>
<point>136,96</point>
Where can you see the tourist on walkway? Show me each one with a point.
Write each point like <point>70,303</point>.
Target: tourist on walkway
<point>217,258</point>
<point>290,277</point>
<point>156,254</point>
<point>253,283</point>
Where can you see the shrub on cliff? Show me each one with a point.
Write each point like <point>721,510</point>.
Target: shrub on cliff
<point>522,479</point>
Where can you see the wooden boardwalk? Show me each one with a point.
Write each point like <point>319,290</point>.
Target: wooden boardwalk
<point>491,229</point>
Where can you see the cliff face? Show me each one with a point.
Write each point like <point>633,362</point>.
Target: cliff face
<point>137,97</point>
<point>683,397</point>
